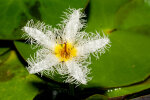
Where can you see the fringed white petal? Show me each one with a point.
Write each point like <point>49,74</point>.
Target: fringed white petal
<point>74,23</point>
<point>39,34</point>
<point>95,46</point>
<point>61,69</point>
<point>42,61</point>
<point>77,73</point>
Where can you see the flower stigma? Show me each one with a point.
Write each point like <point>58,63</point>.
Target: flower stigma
<point>65,51</point>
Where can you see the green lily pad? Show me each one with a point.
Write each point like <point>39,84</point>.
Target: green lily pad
<point>134,16</point>
<point>25,49</point>
<point>115,92</point>
<point>3,50</point>
<point>52,10</point>
<point>4,54</point>
<point>97,97</point>
<point>127,61</point>
<point>15,14</point>
<point>15,82</point>
<point>102,14</point>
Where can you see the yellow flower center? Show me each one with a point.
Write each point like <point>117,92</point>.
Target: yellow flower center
<point>65,52</point>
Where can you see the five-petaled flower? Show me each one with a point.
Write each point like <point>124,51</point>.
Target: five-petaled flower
<point>65,50</point>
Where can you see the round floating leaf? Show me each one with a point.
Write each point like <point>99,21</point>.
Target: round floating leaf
<point>15,14</point>
<point>127,61</point>
<point>115,92</point>
<point>134,16</point>
<point>15,82</point>
<point>52,10</point>
<point>97,97</point>
<point>102,13</point>
<point>3,50</point>
<point>25,49</point>
<point>4,54</point>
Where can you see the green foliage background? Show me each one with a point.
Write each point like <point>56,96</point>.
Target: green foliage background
<point>123,70</point>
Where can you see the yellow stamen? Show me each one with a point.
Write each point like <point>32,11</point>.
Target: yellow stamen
<point>65,51</point>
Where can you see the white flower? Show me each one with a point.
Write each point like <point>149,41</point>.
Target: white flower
<point>65,50</point>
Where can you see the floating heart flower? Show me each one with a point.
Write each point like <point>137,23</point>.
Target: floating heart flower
<point>65,50</point>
